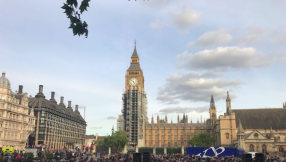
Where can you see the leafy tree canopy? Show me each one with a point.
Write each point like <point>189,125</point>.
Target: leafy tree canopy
<point>201,140</point>
<point>73,13</point>
<point>117,140</point>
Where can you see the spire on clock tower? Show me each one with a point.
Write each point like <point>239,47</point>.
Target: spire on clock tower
<point>135,55</point>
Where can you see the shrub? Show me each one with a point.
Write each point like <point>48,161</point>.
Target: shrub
<point>37,158</point>
<point>30,154</point>
<point>49,155</point>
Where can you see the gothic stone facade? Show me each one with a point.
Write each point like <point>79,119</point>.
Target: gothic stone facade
<point>164,134</point>
<point>259,130</point>
<point>17,121</point>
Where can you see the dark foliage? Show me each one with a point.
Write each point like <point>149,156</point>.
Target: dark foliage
<point>73,13</point>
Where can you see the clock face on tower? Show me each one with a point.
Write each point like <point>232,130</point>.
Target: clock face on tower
<point>133,81</point>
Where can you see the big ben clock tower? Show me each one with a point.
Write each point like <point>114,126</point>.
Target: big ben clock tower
<point>135,103</point>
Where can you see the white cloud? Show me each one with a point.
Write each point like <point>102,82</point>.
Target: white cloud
<point>157,24</point>
<point>253,35</point>
<point>178,109</point>
<point>95,127</point>
<point>218,37</point>
<point>259,35</point>
<point>193,87</point>
<point>111,118</point>
<point>224,58</point>
<point>186,18</point>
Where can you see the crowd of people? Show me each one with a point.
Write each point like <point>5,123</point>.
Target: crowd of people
<point>78,156</point>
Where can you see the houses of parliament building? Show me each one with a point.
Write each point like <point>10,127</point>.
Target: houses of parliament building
<point>256,130</point>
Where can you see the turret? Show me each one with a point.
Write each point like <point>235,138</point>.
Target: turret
<point>178,119</point>
<point>166,120</point>
<point>228,104</point>
<point>212,103</point>
<point>212,111</point>
<point>158,121</point>
<point>240,136</point>
<point>187,120</point>
<point>152,121</point>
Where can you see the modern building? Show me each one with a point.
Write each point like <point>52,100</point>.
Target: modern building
<point>17,121</point>
<point>120,123</point>
<point>57,126</point>
<point>135,103</point>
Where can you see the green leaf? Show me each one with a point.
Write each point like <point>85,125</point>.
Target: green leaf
<point>84,5</point>
<point>78,28</point>
<point>68,10</point>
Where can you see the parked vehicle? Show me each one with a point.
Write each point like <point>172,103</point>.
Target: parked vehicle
<point>8,150</point>
<point>215,151</point>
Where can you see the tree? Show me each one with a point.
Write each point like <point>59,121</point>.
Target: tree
<point>97,142</point>
<point>201,140</point>
<point>119,139</point>
<point>73,13</point>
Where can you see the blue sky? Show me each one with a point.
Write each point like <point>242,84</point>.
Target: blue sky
<point>189,50</point>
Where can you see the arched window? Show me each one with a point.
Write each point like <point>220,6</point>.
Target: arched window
<point>278,139</point>
<point>227,135</point>
<point>281,149</point>
<point>264,148</point>
<point>255,135</point>
<point>251,147</point>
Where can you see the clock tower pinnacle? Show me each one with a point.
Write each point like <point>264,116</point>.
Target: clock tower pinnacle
<point>134,75</point>
<point>135,103</point>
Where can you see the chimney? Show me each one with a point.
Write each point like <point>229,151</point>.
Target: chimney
<point>53,97</point>
<point>40,94</point>
<point>69,105</point>
<point>62,102</point>
<point>41,89</point>
<point>76,108</point>
<point>20,89</point>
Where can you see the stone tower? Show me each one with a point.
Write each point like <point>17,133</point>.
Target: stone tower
<point>213,115</point>
<point>135,103</point>
<point>228,104</point>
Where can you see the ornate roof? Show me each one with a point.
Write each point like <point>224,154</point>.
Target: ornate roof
<point>134,67</point>
<point>240,128</point>
<point>135,55</point>
<point>4,81</point>
<point>39,102</point>
<point>261,118</point>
